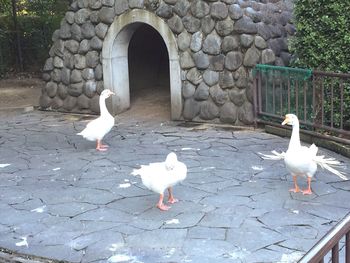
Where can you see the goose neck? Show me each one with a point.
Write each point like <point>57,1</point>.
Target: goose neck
<point>103,108</point>
<point>295,138</point>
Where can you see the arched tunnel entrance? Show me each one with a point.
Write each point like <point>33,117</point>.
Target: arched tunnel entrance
<point>149,78</point>
<point>152,34</point>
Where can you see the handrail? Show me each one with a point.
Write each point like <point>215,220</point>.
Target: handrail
<point>330,242</point>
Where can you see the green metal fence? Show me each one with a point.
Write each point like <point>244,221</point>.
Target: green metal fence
<point>321,100</point>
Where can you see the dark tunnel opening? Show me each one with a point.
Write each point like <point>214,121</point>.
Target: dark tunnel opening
<point>149,69</point>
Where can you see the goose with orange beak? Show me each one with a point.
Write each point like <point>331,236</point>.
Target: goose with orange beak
<point>301,160</point>
<point>98,128</point>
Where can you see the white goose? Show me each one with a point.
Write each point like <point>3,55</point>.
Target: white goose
<point>163,175</point>
<point>301,160</point>
<point>98,128</point>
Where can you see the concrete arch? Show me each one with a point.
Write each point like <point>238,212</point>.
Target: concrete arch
<point>115,59</point>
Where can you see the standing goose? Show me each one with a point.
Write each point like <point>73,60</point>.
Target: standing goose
<point>98,128</point>
<point>301,160</point>
<point>162,175</point>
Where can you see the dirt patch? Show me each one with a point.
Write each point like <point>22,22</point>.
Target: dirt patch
<point>19,92</point>
<point>149,104</point>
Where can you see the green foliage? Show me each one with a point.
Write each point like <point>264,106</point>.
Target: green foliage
<point>322,42</point>
<point>322,38</point>
<point>37,20</point>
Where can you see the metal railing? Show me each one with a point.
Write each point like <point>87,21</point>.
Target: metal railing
<point>330,244</point>
<point>321,100</point>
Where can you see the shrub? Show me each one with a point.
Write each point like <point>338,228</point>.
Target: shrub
<point>322,42</point>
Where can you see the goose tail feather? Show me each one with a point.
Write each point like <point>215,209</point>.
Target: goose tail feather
<point>276,156</point>
<point>331,165</point>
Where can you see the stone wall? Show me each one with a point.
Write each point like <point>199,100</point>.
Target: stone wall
<point>219,42</point>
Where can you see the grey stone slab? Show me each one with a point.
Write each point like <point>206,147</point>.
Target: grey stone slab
<point>335,199</point>
<point>160,238</point>
<point>70,209</point>
<point>274,218</point>
<point>107,237</point>
<point>14,195</point>
<point>184,220</point>
<point>295,231</point>
<point>342,185</point>
<point>320,210</point>
<point>134,205</point>
<point>267,255</point>
<point>222,221</point>
<point>229,191</point>
<point>272,198</point>
<point>200,232</point>
<point>183,193</point>
<point>299,244</point>
<point>145,224</point>
<point>14,217</point>
<point>106,215</point>
<point>247,238</point>
<point>59,252</point>
<point>206,249</point>
<point>74,194</point>
<point>228,201</point>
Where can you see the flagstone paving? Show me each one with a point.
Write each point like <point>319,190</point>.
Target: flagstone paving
<point>63,200</point>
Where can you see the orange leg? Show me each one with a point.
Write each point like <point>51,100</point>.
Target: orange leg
<point>171,198</point>
<point>296,188</point>
<point>100,147</point>
<point>308,190</point>
<point>161,205</point>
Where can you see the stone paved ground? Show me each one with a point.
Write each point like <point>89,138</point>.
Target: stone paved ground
<point>61,199</point>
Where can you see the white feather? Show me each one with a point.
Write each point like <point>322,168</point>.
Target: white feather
<point>161,175</point>
<point>301,160</point>
<point>98,128</point>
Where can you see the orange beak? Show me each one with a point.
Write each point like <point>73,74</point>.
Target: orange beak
<point>286,120</point>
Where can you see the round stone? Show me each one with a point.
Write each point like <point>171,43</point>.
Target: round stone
<point>88,74</point>
<point>186,60</point>
<point>184,40</point>
<point>83,102</point>
<point>233,60</point>
<point>218,95</point>
<point>92,59</point>
<point>76,76</point>
<point>226,80</point>
<point>201,60</point>
<point>229,43</point>
<point>75,89</point>
<point>237,96</point>
<point>208,110</point>
<point>259,42</point>
<point>69,103</point>
<point>199,8</point>
<point>188,90</point>
<point>45,101</point>
<point>246,113</point>
<point>212,44</point>
<point>191,109</point>
<point>175,24</point>
<point>202,92</point>
<point>191,23</point>
<point>62,91</point>
<point>219,11</point>
<point>228,113</point>
<point>211,77</point>
<point>90,88</point>
<point>208,24</point>
<point>51,89</point>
